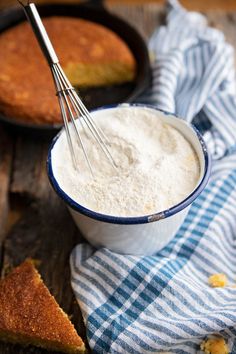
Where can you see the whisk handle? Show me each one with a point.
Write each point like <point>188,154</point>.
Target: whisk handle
<point>40,33</point>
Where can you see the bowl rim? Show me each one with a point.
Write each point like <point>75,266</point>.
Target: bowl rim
<point>130,220</point>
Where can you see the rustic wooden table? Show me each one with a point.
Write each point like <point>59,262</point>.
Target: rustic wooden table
<point>33,221</point>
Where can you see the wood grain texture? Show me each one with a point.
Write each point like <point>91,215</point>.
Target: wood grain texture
<point>29,176</point>
<point>143,18</point>
<point>6,149</point>
<point>45,230</point>
<point>197,5</point>
<point>146,18</point>
<point>47,234</point>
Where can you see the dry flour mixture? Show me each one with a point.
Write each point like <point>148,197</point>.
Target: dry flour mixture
<point>157,166</point>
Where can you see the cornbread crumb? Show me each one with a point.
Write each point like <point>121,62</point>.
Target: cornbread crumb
<point>218,280</point>
<point>215,345</point>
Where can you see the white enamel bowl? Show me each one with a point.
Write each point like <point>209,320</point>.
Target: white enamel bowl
<point>145,234</point>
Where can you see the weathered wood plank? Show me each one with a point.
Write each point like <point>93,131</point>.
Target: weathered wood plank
<point>6,148</point>
<point>144,18</point>
<point>29,176</point>
<point>46,233</point>
<point>197,5</point>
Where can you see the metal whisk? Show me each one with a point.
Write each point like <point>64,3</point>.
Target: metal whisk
<point>70,103</point>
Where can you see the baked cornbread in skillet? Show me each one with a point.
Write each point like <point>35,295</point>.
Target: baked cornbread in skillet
<point>29,314</point>
<point>90,54</point>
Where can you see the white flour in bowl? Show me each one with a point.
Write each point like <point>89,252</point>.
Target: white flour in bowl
<point>157,166</point>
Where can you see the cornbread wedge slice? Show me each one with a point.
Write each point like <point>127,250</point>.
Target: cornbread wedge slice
<point>29,314</point>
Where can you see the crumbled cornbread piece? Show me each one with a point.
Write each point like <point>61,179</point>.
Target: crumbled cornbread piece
<point>218,280</point>
<point>215,345</point>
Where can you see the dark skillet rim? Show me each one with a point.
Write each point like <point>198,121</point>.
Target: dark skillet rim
<point>138,219</point>
<point>22,124</point>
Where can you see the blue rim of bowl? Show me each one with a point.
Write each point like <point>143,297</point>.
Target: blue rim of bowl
<point>132,219</point>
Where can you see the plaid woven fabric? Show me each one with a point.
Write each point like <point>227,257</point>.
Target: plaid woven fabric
<point>163,303</point>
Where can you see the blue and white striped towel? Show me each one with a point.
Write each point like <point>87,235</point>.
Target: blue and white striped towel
<point>163,303</point>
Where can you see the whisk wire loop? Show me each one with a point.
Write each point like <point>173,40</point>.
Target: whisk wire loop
<point>72,108</point>
<point>66,89</point>
<point>64,117</point>
<point>85,115</point>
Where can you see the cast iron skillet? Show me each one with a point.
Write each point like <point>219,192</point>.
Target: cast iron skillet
<point>94,11</point>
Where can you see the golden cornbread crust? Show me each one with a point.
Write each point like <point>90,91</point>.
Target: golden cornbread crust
<point>29,314</point>
<point>27,90</point>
